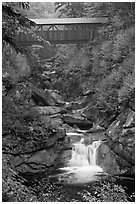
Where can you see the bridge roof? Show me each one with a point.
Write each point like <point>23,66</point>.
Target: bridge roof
<point>69,21</point>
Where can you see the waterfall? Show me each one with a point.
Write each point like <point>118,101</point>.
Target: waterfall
<point>83,155</point>
<point>92,152</point>
<point>82,167</point>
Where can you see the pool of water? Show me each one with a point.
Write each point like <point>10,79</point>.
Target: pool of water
<point>46,184</point>
<point>79,175</point>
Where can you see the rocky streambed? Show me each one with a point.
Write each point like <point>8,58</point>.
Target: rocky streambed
<point>38,161</point>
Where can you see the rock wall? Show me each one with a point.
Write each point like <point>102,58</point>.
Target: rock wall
<point>118,154</point>
<point>34,155</point>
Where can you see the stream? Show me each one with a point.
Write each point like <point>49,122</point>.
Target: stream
<point>79,177</point>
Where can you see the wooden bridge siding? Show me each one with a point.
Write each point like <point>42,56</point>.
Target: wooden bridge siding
<point>67,35</point>
<point>58,36</point>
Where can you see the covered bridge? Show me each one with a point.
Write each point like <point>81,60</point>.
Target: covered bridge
<point>62,30</point>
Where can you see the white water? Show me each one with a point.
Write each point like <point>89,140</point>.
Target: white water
<point>83,155</point>
<point>74,134</point>
<point>82,167</point>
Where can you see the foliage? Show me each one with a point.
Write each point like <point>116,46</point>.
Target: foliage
<point>70,9</point>
<point>21,121</point>
<point>114,67</point>
<point>13,189</point>
<point>69,64</point>
<point>40,10</point>
<point>18,112</point>
<point>109,70</point>
<point>17,109</point>
<point>105,192</point>
<point>13,22</point>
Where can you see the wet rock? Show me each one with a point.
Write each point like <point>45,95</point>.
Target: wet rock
<point>76,119</point>
<point>38,161</point>
<point>95,128</point>
<point>81,103</point>
<point>130,121</point>
<point>43,97</point>
<point>114,129</point>
<point>121,136</point>
<point>16,161</point>
<point>56,97</point>
<point>107,160</point>
<point>44,157</point>
<point>111,162</point>
<point>68,128</point>
<point>54,121</point>
<point>48,110</point>
<point>34,161</point>
<point>47,97</point>
<point>91,114</point>
<point>77,105</point>
<point>64,158</point>
<point>36,154</point>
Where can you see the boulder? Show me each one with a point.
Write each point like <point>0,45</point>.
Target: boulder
<point>90,113</point>
<point>96,128</point>
<point>48,110</point>
<point>56,97</point>
<point>76,119</point>
<point>79,103</point>
<point>43,97</point>
<point>120,149</point>
<point>34,162</point>
<point>47,97</point>
<point>111,162</point>
<point>44,157</point>
<point>130,121</point>
<point>53,121</point>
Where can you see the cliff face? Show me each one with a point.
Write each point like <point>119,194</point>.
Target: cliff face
<point>118,154</point>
